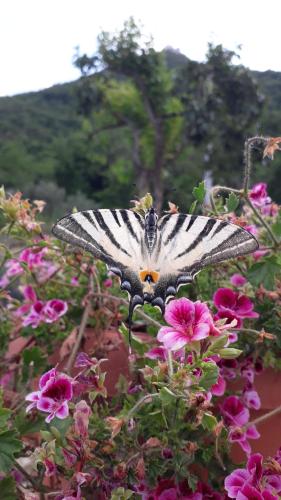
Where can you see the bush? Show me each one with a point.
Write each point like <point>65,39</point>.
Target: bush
<point>167,429</point>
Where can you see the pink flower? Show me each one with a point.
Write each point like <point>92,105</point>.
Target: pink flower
<point>55,391</point>
<point>34,311</point>
<point>226,299</point>
<point>270,209</point>
<point>235,481</point>
<point>108,283</point>
<point>258,194</point>
<point>238,280</point>
<point>260,253</point>
<point>253,229</point>
<point>218,389</point>
<point>240,436</point>
<point>254,482</point>
<point>74,281</point>
<point>234,412</point>
<point>229,316</point>
<point>54,309</point>
<point>83,360</point>
<point>252,399</point>
<point>190,321</point>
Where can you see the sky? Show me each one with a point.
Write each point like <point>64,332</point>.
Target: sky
<point>38,37</point>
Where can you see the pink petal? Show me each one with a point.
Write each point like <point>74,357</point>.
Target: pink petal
<point>49,418</point>
<point>180,312</point>
<point>218,389</point>
<point>45,404</point>
<point>201,331</point>
<point>29,293</point>
<point>63,411</point>
<point>46,377</point>
<point>252,433</point>
<point>33,396</point>
<point>30,407</point>
<point>225,298</point>
<point>238,280</point>
<point>172,339</point>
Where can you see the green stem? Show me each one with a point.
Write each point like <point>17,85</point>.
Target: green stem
<point>170,363</point>
<point>140,402</point>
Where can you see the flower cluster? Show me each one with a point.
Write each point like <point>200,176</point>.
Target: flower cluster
<point>55,390</point>
<point>33,259</point>
<point>233,305</point>
<point>257,481</point>
<point>260,199</point>
<point>34,312</point>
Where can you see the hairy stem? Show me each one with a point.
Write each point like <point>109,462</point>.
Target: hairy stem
<point>249,143</point>
<point>140,402</point>
<point>264,417</point>
<point>82,327</point>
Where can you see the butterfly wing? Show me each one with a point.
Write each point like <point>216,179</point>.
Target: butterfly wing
<point>113,236</point>
<point>189,243</point>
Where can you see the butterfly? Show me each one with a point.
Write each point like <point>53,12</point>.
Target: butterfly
<point>154,256</point>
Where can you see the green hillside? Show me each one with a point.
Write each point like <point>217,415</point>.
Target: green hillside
<point>41,131</point>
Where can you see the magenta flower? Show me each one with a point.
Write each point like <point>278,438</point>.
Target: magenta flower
<point>252,399</point>
<point>218,389</point>
<point>34,311</point>
<point>253,229</point>
<point>230,317</point>
<point>254,482</point>
<point>53,396</point>
<point>227,300</point>
<point>238,435</point>
<point>190,321</point>
<point>108,283</point>
<point>258,195</point>
<point>234,412</point>
<point>238,280</point>
<point>258,254</point>
<point>235,481</point>
<point>54,309</point>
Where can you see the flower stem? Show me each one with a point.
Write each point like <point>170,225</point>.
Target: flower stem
<point>264,417</point>
<point>140,402</point>
<point>248,159</point>
<point>170,363</point>
<point>81,331</point>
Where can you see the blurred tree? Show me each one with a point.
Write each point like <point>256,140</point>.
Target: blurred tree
<point>165,112</point>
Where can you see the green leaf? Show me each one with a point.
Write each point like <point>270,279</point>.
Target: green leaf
<point>209,421</point>
<point>230,353</point>
<point>232,202</point>
<point>9,445</point>
<point>264,272</point>
<point>192,207</point>
<point>121,494</point>
<point>209,376</point>
<point>218,344</point>
<point>199,192</point>
<point>166,396</point>
<point>4,416</point>
<point>8,489</point>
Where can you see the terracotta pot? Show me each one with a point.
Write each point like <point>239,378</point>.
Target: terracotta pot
<point>268,386</point>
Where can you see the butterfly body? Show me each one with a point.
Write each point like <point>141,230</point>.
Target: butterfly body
<point>154,257</point>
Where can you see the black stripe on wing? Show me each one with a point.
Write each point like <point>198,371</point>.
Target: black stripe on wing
<point>101,222</point>
<point>69,230</point>
<point>181,218</point>
<point>127,222</point>
<point>240,242</point>
<point>203,233</point>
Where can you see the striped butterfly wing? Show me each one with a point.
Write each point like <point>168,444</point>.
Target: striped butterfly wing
<point>189,243</point>
<point>113,236</point>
